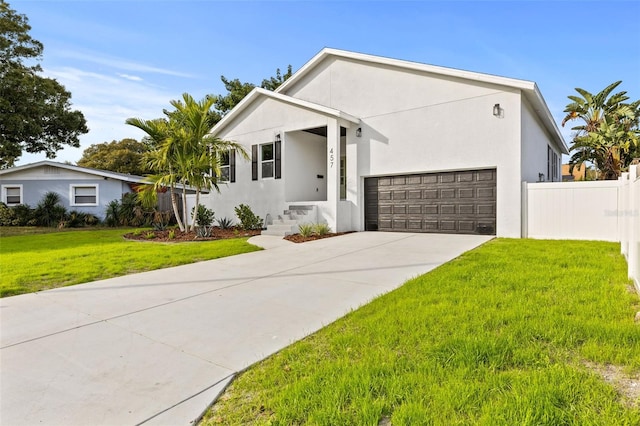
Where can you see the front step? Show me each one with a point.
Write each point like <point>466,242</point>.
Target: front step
<point>287,224</point>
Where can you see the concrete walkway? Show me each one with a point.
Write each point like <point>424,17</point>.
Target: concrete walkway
<point>157,347</point>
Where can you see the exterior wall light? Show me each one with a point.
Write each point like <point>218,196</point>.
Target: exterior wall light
<point>277,137</point>
<point>359,132</point>
<point>497,110</point>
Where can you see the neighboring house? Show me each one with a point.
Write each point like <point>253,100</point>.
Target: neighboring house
<point>80,188</point>
<point>372,143</point>
<point>580,172</point>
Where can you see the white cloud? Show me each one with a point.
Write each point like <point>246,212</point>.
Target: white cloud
<point>106,102</point>
<point>130,77</point>
<point>117,63</point>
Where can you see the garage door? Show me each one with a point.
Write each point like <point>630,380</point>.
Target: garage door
<point>460,202</point>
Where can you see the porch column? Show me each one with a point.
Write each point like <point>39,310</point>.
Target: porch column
<point>333,173</point>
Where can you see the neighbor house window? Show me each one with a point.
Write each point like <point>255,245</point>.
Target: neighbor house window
<point>266,159</point>
<point>84,195</point>
<point>12,194</point>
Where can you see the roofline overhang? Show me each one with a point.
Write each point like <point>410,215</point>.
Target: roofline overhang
<point>258,92</point>
<point>80,169</point>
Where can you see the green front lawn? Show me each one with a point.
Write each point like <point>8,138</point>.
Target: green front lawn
<point>516,332</point>
<point>32,262</point>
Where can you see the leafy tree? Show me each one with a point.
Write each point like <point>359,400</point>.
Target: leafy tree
<point>186,153</point>
<point>125,156</point>
<point>237,90</point>
<point>35,112</point>
<point>608,134</point>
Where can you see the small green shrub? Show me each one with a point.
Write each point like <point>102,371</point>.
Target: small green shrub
<point>321,229</point>
<point>306,229</point>
<point>150,235</point>
<point>172,234</point>
<point>137,232</point>
<point>248,220</point>
<point>205,216</point>
<point>225,223</point>
<point>25,215</point>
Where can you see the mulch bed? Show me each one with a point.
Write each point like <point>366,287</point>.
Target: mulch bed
<point>216,234</point>
<point>297,238</point>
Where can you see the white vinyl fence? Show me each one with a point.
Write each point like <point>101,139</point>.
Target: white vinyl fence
<point>600,210</point>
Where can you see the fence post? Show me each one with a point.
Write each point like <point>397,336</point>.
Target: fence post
<point>633,221</point>
<point>623,208</point>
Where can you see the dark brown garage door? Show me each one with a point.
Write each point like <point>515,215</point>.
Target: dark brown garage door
<point>462,202</point>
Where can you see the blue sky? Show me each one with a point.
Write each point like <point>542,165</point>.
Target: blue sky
<point>124,59</point>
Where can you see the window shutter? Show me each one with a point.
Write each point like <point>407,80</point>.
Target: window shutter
<point>232,165</point>
<point>254,162</point>
<point>277,147</point>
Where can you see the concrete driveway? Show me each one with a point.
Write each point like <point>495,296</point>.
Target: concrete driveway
<point>157,347</point>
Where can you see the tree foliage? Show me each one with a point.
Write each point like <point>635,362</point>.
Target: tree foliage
<point>608,134</point>
<point>124,156</point>
<point>185,153</point>
<point>237,90</point>
<point>35,112</point>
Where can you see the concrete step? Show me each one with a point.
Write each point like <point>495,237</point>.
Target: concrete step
<point>281,230</point>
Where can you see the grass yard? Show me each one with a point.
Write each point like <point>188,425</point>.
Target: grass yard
<point>31,262</point>
<point>516,332</point>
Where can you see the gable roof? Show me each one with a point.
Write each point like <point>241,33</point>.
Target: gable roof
<point>258,93</point>
<point>101,173</point>
<point>529,88</point>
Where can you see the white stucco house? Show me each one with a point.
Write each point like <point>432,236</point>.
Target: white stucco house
<point>364,142</point>
<point>80,188</point>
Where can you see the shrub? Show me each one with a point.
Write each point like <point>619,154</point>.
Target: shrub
<point>49,211</point>
<point>248,220</point>
<point>75,219</point>
<point>131,212</point>
<point>321,229</point>
<point>137,232</point>
<point>205,216</point>
<point>161,220</point>
<point>24,215</point>
<point>150,235</point>
<point>225,223</point>
<point>7,215</point>
<point>172,234</point>
<point>307,229</point>
<point>112,214</point>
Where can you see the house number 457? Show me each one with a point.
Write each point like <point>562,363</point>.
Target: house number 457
<point>331,158</point>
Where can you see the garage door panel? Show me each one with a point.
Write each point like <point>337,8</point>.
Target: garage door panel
<point>449,202</point>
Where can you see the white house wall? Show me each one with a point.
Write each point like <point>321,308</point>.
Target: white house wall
<point>535,140</point>
<point>259,124</point>
<point>417,122</point>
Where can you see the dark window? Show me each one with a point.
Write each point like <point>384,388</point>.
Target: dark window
<point>266,159</point>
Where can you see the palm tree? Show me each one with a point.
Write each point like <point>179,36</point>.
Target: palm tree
<point>186,152</point>
<point>160,133</point>
<point>608,135</point>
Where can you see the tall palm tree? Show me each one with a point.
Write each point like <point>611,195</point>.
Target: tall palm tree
<point>608,134</point>
<point>186,152</point>
<point>161,134</point>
